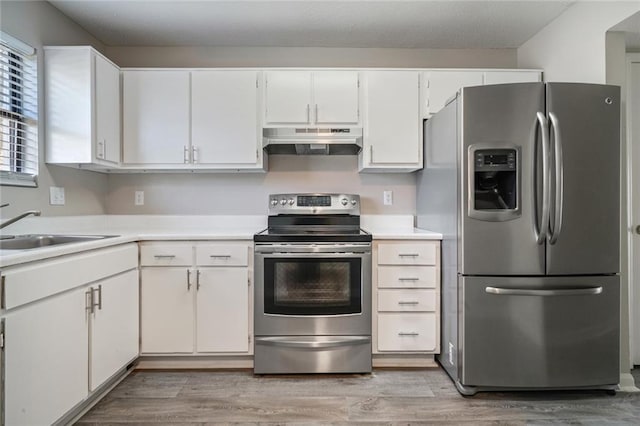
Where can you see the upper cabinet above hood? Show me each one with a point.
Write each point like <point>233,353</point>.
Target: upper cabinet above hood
<point>312,141</point>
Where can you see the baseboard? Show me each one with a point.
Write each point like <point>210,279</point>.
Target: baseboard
<point>193,362</point>
<point>380,360</point>
<point>627,383</point>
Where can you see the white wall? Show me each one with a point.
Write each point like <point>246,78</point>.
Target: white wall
<point>572,47</point>
<point>38,23</point>
<point>247,193</point>
<point>203,56</point>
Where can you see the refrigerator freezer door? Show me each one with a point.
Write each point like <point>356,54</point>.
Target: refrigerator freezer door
<point>540,332</point>
<point>499,123</point>
<point>585,206</point>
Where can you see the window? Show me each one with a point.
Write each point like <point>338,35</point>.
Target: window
<point>18,113</point>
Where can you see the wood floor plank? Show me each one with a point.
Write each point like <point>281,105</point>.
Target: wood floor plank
<point>200,410</point>
<point>389,397</point>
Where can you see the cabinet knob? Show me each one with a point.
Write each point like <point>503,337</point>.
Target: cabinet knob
<point>638,229</point>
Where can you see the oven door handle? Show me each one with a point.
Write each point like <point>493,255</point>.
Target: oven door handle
<point>297,342</point>
<point>313,254</point>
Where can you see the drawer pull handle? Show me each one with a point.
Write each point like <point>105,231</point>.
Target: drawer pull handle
<point>408,254</point>
<point>220,256</point>
<point>408,279</point>
<point>164,256</point>
<point>411,302</point>
<point>405,334</point>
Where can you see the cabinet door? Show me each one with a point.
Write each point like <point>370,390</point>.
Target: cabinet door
<point>441,85</point>
<point>500,77</point>
<point>46,359</point>
<point>107,115</point>
<point>155,115</point>
<point>224,121</point>
<point>287,97</point>
<point>166,310</point>
<point>114,326</point>
<point>392,131</point>
<point>223,310</point>
<point>335,97</point>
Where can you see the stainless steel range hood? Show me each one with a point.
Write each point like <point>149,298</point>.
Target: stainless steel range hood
<point>312,141</point>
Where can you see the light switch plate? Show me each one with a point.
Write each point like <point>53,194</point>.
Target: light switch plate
<point>56,195</point>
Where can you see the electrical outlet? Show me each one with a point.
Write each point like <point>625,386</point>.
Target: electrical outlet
<point>387,197</point>
<point>56,195</point>
<point>139,198</point>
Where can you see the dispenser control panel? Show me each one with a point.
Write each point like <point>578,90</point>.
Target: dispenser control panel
<point>487,160</point>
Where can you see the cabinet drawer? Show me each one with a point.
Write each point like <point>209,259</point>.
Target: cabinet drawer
<point>403,300</point>
<point>407,332</point>
<point>408,254</point>
<point>407,276</point>
<point>166,254</point>
<point>227,254</point>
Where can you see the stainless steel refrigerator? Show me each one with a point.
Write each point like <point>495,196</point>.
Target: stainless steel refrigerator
<point>523,182</point>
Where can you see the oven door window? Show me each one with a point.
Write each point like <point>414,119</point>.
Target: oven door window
<point>303,286</point>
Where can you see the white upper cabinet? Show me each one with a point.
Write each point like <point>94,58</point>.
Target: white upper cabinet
<point>225,126</point>
<point>393,130</point>
<point>512,76</point>
<point>107,102</point>
<point>335,97</point>
<point>156,117</point>
<point>311,98</point>
<point>287,97</point>
<point>439,86</point>
<point>82,108</point>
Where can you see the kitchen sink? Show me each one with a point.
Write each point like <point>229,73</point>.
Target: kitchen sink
<point>26,242</point>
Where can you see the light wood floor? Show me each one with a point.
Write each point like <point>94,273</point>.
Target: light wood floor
<point>387,396</point>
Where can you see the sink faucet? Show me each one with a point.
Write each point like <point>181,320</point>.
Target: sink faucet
<point>17,218</point>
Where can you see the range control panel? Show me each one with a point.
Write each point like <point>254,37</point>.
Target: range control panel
<point>314,204</point>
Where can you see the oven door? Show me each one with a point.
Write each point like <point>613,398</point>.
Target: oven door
<point>313,289</point>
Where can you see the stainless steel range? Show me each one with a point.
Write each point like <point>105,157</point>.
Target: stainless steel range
<point>313,287</point>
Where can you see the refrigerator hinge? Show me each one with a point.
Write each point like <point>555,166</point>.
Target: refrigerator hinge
<point>249,281</point>
<point>249,339</point>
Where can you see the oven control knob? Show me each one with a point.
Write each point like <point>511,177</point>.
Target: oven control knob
<point>344,201</point>
<point>274,202</point>
<point>291,201</point>
<point>354,202</point>
<point>283,201</point>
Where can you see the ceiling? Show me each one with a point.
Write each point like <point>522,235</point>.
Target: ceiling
<point>313,23</point>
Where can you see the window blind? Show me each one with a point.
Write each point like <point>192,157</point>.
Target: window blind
<point>18,113</point>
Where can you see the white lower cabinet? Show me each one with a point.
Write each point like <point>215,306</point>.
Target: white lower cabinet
<point>202,306</point>
<point>222,310</point>
<point>69,325</point>
<point>114,326</point>
<point>406,297</point>
<point>166,311</point>
<point>46,364</point>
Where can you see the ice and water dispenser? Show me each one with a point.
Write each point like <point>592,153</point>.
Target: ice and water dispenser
<point>495,191</point>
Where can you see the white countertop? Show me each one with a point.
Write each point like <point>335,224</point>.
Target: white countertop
<point>156,228</point>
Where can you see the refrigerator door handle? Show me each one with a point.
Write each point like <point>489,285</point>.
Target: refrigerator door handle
<point>557,292</point>
<point>541,232</point>
<point>559,176</point>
